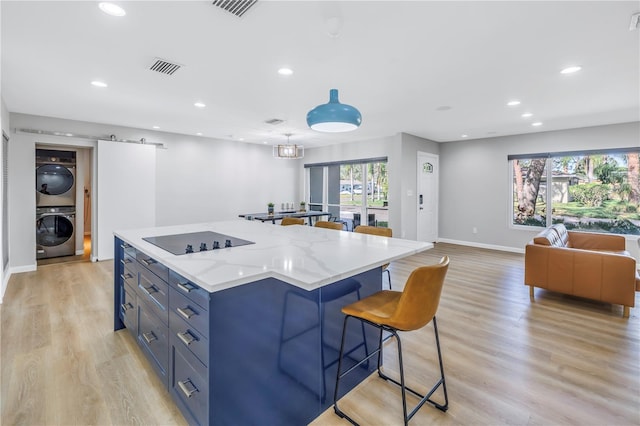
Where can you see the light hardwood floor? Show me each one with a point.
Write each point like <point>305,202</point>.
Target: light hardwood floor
<point>557,360</point>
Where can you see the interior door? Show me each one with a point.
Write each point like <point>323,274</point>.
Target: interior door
<point>125,191</point>
<point>427,200</point>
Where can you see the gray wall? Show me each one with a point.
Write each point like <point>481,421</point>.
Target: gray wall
<point>401,151</point>
<point>475,187</point>
<point>198,179</point>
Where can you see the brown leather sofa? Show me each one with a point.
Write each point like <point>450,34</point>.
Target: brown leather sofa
<point>583,264</point>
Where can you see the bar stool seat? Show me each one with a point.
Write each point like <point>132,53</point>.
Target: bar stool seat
<point>394,311</point>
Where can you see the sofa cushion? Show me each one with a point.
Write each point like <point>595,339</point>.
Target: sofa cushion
<point>548,237</point>
<point>563,234</point>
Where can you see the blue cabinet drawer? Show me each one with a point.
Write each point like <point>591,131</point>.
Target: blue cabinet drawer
<point>194,315</point>
<point>155,291</point>
<point>130,279</point>
<point>128,309</point>
<point>189,289</point>
<point>188,338</point>
<point>129,262</point>
<point>153,339</point>
<point>153,265</point>
<point>128,248</point>
<point>189,385</point>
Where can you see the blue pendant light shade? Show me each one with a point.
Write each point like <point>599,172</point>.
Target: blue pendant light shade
<point>334,117</point>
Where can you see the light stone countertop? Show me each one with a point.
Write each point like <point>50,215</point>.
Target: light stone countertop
<point>303,256</point>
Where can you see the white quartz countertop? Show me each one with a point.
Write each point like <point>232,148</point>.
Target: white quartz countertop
<point>304,256</point>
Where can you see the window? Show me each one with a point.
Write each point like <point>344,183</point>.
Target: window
<point>354,191</point>
<point>590,191</point>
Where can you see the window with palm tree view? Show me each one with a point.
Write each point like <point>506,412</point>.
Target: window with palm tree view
<point>363,191</point>
<point>596,192</point>
<point>354,192</point>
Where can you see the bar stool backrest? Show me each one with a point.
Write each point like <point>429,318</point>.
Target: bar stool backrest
<point>420,298</point>
<point>329,225</point>
<point>374,230</point>
<point>292,221</point>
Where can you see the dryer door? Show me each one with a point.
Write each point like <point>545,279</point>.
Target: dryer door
<point>53,179</point>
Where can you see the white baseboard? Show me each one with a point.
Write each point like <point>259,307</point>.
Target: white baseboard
<point>79,252</point>
<point>23,268</point>
<point>5,281</point>
<point>14,270</point>
<point>481,245</point>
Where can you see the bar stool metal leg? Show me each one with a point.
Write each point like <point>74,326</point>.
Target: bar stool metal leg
<point>401,383</point>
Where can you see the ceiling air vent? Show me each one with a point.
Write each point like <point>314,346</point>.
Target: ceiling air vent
<point>274,121</point>
<point>164,67</point>
<point>236,7</point>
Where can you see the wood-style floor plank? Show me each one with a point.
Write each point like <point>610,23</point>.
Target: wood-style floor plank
<point>508,360</point>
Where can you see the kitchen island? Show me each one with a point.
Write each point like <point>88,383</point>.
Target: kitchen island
<point>249,334</point>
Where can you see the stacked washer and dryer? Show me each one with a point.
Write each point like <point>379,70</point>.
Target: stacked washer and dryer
<point>55,203</point>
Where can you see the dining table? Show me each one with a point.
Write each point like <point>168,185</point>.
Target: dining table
<point>313,215</point>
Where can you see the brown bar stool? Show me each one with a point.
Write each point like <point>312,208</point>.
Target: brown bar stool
<point>383,232</point>
<point>292,221</point>
<point>328,225</point>
<point>394,311</point>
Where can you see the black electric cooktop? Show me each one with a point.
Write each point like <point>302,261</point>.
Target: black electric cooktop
<point>195,241</point>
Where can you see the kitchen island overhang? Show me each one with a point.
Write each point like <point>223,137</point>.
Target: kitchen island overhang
<point>264,348</point>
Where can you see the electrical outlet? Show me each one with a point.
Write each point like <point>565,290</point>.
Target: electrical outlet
<point>475,230</point>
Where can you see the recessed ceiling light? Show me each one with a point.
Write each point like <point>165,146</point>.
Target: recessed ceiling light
<point>513,103</point>
<point>241,139</point>
<point>156,127</point>
<point>464,136</point>
<point>198,134</point>
<point>526,115</point>
<point>98,83</point>
<point>537,123</point>
<point>199,105</point>
<point>285,71</point>
<point>111,9</point>
<point>264,142</point>
<point>570,70</point>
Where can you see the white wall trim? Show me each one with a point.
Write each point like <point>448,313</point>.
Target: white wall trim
<point>5,283</point>
<point>481,245</point>
<point>23,268</point>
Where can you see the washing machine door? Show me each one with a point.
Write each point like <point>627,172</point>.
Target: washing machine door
<point>53,229</point>
<point>54,179</point>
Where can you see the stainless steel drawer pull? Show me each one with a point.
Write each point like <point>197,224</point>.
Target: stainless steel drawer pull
<point>187,388</point>
<point>125,245</point>
<point>126,276</point>
<point>149,261</point>
<point>186,312</point>
<point>186,287</point>
<point>150,289</point>
<point>149,337</point>
<point>126,306</point>
<point>125,261</point>
<point>186,337</point>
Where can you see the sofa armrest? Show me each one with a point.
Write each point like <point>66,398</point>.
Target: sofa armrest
<point>594,241</point>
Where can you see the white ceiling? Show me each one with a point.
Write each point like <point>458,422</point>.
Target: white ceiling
<point>397,62</point>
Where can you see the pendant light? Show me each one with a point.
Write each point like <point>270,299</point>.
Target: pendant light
<point>334,117</point>
<point>288,151</point>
